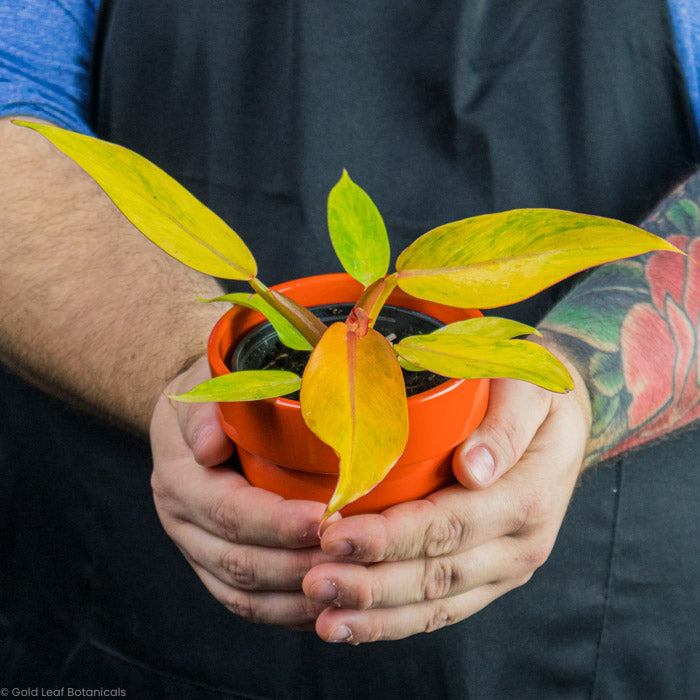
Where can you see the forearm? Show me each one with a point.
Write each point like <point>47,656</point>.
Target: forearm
<point>632,327</point>
<point>90,309</point>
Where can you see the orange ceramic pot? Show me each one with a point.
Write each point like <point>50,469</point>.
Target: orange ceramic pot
<point>279,453</point>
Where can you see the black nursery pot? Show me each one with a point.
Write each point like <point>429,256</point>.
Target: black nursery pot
<point>261,348</point>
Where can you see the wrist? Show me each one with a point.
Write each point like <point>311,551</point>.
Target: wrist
<point>581,393</point>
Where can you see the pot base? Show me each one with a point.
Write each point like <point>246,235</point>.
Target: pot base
<point>409,483</point>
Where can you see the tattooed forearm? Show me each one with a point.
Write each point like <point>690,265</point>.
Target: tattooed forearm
<point>632,328</point>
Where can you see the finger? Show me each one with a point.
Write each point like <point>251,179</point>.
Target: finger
<point>456,519</point>
<point>247,567</point>
<point>393,584</point>
<point>203,433</point>
<point>272,608</point>
<point>220,500</point>
<point>546,476</point>
<point>515,412</point>
<point>198,422</point>
<point>357,627</point>
<point>223,503</point>
<point>447,521</point>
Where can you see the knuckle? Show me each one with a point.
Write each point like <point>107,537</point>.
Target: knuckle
<point>499,437</point>
<point>367,597</point>
<point>226,521</point>
<point>440,616</point>
<point>378,632</point>
<point>443,534</point>
<point>241,605</point>
<point>534,557</point>
<point>535,553</point>
<point>165,505</point>
<point>239,569</point>
<point>439,578</point>
<point>161,492</point>
<point>290,532</point>
<point>383,544</point>
<point>535,507</point>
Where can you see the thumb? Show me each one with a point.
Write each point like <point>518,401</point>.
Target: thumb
<point>515,412</point>
<point>199,422</point>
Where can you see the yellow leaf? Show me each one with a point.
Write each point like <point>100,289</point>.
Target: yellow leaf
<point>353,398</point>
<point>161,208</point>
<point>287,334</point>
<point>488,327</point>
<point>246,385</point>
<point>461,356</point>
<point>498,259</point>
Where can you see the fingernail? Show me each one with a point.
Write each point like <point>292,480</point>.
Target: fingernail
<point>324,591</point>
<point>309,536</point>
<point>339,548</point>
<point>481,464</point>
<point>342,633</point>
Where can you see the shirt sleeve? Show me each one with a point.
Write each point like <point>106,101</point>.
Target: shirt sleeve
<point>685,15</point>
<point>45,48</point>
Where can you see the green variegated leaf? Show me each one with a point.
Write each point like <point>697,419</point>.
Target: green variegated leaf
<point>480,327</point>
<point>498,259</point>
<point>459,356</point>
<point>286,332</point>
<point>408,366</point>
<point>357,232</point>
<point>161,208</point>
<point>246,385</point>
<point>488,327</point>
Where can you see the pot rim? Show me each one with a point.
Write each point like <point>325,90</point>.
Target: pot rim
<point>218,363</point>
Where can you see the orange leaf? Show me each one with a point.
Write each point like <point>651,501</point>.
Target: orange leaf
<point>353,398</point>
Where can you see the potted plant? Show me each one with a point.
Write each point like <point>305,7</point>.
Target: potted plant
<point>278,451</point>
<point>353,421</point>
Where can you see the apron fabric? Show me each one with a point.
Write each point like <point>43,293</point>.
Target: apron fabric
<point>440,111</point>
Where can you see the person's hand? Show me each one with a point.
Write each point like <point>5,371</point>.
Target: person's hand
<point>421,565</point>
<point>250,548</point>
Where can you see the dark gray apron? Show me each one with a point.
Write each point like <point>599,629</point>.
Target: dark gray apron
<point>440,110</point>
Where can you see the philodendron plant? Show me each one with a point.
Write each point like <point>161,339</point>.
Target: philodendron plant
<point>352,391</point>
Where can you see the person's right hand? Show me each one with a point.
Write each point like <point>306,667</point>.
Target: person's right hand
<point>251,548</point>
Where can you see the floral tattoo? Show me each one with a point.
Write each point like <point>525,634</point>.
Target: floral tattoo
<point>632,330</point>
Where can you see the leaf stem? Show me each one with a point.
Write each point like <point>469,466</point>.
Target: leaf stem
<point>309,325</point>
<point>374,297</point>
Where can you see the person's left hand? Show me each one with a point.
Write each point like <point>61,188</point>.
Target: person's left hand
<point>422,565</point>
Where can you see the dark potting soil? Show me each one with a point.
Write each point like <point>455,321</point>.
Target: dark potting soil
<point>261,349</point>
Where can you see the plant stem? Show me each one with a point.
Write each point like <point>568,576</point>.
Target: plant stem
<point>309,325</point>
